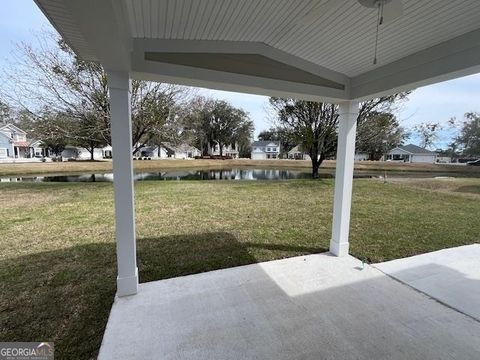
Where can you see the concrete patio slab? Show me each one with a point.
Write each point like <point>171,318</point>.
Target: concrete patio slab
<point>451,276</point>
<point>309,307</point>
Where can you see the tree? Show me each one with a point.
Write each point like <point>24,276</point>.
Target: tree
<point>4,113</point>
<point>219,123</point>
<point>87,132</point>
<point>53,130</point>
<point>378,132</point>
<point>428,133</point>
<point>244,139</point>
<point>314,124</point>
<point>50,76</point>
<point>155,113</point>
<point>469,138</point>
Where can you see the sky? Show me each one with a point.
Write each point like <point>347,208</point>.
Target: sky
<point>20,19</point>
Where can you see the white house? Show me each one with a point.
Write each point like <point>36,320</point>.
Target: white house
<point>15,145</point>
<point>262,150</point>
<point>361,157</point>
<point>228,150</point>
<point>168,151</point>
<point>79,153</point>
<point>296,154</point>
<point>412,154</point>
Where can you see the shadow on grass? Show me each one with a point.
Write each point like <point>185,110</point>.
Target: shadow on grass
<point>470,189</point>
<point>65,295</point>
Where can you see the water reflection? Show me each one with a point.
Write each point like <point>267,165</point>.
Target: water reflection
<point>229,174</point>
<point>221,174</point>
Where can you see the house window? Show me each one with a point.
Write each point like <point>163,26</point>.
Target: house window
<point>268,149</point>
<point>274,149</point>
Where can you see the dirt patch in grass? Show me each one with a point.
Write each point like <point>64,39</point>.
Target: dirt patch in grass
<point>469,187</point>
<point>58,262</point>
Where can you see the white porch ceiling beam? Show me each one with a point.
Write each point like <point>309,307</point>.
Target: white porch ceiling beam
<point>448,60</point>
<point>195,76</point>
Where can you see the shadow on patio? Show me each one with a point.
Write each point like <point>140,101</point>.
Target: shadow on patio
<point>66,295</point>
<point>307,307</point>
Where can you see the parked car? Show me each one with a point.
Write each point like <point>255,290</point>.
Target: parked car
<point>474,163</point>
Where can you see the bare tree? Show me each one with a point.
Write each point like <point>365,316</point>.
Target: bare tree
<point>50,78</point>
<point>428,133</point>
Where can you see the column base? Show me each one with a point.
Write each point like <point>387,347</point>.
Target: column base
<point>339,249</point>
<point>127,285</point>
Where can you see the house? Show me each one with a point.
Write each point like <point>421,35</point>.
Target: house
<point>79,153</point>
<point>296,154</point>
<point>361,157</point>
<point>228,150</point>
<point>168,151</point>
<point>154,152</point>
<point>15,145</point>
<point>262,150</point>
<point>412,154</point>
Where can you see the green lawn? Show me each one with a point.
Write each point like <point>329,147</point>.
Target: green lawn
<point>57,265</point>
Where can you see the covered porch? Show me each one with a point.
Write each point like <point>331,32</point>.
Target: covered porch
<point>311,50</point>
<point>308,307</point>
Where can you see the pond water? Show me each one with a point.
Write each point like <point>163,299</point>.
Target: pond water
<point>228,174</point>
<point>217,174</point>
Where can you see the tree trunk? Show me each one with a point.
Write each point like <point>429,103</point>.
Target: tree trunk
<point>315,167</point>
<point>92,152</point>
<point>317,160</point>
<point>221,149</point>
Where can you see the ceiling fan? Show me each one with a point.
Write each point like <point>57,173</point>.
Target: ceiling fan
<point>387,11</point>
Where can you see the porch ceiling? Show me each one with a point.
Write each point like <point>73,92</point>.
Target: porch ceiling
<point>434,40</point>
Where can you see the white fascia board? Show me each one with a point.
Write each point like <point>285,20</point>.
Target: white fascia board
<point>186,75</point>
<point>105,27</point>
<point>13,127</point>
<point>448,60</point>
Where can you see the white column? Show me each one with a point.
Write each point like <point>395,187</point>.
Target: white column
<point>348,113</point>
<point>119,88</point>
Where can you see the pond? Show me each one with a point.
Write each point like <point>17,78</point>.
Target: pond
<point>215,174</point>
<point>223,174</point>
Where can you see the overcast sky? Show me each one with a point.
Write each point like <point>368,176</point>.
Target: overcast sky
<point>20,19</point>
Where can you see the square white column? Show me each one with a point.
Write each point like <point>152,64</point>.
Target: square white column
<point>347,126</point>
<point>121,125</point>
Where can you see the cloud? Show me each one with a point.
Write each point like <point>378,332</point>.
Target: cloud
<point>440,102</point>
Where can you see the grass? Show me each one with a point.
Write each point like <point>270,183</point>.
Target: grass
<point>58,265</point>
<point>157,165</point>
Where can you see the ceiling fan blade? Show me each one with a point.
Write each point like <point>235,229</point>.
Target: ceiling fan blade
<point>392,10</point>
<point>314,14</point>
